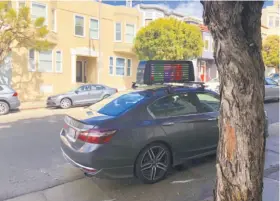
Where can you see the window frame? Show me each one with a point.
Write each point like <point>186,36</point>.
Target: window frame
<point>39,62</point>
<point>268,20</point>
<point>186,115</point>
<point>98,32</point>
<point>116,66</point>
<point>115,32</point>
<point>84,25</point>
<point>55,60</point>
<point>207,38</point>
<point>111,74</point>
<point>54,19</point>
<point>277,20</point>
<point>18,3</point>
<point>127,67</point>
<point>125,33</point>
<point>28,61</point>
<point>46,22</point>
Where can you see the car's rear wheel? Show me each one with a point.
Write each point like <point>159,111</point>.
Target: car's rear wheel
<point>65,103</point>
<point>105,96</point>
<point>4,108</point>
<point>153,163</point>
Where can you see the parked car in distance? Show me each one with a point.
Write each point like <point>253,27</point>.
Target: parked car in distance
<point>213,84</point>
<point>271,88</point>
<point>8,99</point>
<point>143,132</point>
<point>275,77</point>
<point>84,95</point>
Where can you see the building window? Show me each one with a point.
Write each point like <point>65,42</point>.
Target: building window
<point>39,10</point>
<point>277,22</point>
<point>54,20</point>
<point>120,66</point>
<point>118,31</point>
<point>20,4</point>
<point>45,61</point>
<point>94,29</point>
<point>129,33</point>
<point>206,44</point>
<point>111,65</point>
<point>128,69</point>
<point>270,21</point>
<point>79,26</point>
<point>58,61</point>
<point>31,60</point>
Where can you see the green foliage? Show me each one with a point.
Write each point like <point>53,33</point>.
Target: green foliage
<point>168,39</point>
<point>18,30</point>
<point>270,51</point>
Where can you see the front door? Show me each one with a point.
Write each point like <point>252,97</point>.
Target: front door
<point>178,118</point>
<point>82,96</point>
<point>81,71</point>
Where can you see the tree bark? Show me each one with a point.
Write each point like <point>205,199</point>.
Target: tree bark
<point>236,30</point>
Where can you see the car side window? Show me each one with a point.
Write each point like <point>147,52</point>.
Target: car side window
<point>93,87</point>
<point>172,106</point>
<point>208,102</point>
<point>99,87</point>
<point>84,88</point>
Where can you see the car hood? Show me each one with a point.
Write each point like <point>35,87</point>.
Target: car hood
<point>63,94</point>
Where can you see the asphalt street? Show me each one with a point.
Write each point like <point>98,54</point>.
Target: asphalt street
<point>31,161</point>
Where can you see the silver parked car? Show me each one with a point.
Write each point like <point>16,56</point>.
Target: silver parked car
<point>83,95</point>
<point>271,88</point>
<point>8,99</point>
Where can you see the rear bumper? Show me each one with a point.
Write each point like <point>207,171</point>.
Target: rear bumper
<point>97,160</point>
<point>14,104</point>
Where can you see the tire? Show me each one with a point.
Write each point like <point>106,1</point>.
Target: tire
<point>153,163</point>
<point>65,103</point>
<point>105,96</point>
<point>4,108</point>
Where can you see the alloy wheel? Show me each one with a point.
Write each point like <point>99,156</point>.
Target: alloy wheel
<point>154,163</point>
<point>4,108</point>
<point>65,103</point>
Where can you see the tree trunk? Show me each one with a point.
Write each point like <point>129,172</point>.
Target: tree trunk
<point>236,29</point>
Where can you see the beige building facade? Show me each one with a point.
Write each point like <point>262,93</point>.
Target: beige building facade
<point>271,19</point>
<point>92,44</point>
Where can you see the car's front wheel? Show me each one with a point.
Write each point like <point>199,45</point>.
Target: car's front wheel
<point>153,163</point>
<point>65,103</point>
<point>4,108</point>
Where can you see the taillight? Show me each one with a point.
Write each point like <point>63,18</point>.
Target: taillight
<point>15,94</point>
<point>96,136</point>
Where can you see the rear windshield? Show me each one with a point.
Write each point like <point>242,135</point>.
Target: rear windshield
<point>119,103</point>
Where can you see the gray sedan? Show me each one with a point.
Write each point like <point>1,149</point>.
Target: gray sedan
<point>8,99</point>
<point>271,90</point>
<point>83,95</point>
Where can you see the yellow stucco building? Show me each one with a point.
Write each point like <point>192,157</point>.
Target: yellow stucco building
<point>271,19</point>
<point>93,43</point>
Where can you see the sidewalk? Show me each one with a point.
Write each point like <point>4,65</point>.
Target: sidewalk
<point>32,105</point>
<point>271,167</point>
<point>86,190</point>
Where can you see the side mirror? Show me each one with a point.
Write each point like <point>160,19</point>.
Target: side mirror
<point>76,91</point>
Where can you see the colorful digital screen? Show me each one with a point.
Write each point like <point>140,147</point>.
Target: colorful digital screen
<point>166,72</point>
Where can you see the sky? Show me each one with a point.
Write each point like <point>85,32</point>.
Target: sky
<point>186,7</point>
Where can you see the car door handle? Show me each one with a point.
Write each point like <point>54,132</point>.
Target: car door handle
<point>168,124</point>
